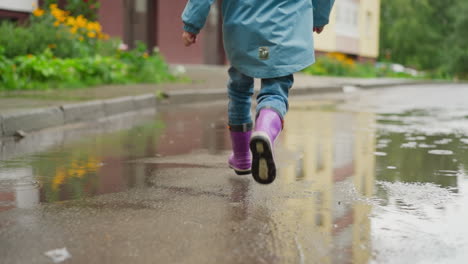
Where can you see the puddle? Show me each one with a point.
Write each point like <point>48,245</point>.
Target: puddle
<point>101,163</point>
<point>387,184</point>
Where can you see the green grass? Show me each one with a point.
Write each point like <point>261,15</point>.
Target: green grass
<point>342,66</point>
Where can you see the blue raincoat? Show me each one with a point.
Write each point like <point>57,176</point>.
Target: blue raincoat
<point>264,38</point>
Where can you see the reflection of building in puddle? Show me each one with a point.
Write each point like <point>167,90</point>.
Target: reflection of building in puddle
<point>337,165</point>
<point>98,165</point>
<point>23,191</point>
<point>189,129</point>
<point>86,168</point>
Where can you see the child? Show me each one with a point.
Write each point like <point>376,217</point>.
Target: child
<point>267,39</point>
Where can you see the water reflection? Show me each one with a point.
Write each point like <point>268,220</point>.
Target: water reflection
<point>426,140</point>
<point>336,168</point>
<point>350,185</point>
<point>22,190</point>
<point>415,158</point>
<point>101,164</point>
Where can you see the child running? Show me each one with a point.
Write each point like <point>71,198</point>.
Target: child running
<point>266,39</point>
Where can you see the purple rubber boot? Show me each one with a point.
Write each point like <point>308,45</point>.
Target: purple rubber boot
<point>240,160</point>
<point>267,128</point>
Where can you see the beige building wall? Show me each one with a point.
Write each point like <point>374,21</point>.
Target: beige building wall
<point>326,41</point>
<point>353,29</point>
<point>369,17</point>
<point>18,5</point>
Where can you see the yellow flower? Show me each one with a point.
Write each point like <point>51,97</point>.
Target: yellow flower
<point>71,21</point>
<point>73,30</point>
<point>38,12</point>
<point>81,21</point>
<point>59,14</point>
<point>337,56</point>
<point>53,6</point>
<point>76,170</point>
<point>94,26</point>
<point>349,62</point>
<point>145,55</point>
<point>56,23</point>
<point>91,34</point>
<point>59,178</point>
<point>93,164</point>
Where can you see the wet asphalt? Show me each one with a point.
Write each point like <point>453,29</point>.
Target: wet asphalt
<point>377,176</point>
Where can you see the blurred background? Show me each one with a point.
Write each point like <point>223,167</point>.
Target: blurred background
<point>132,41</point>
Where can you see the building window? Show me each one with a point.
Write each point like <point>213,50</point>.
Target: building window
<point>18,6</point>
<point>347,18</point>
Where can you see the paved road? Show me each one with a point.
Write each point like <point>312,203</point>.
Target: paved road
<point>205,79</point>
<point>366,177</point>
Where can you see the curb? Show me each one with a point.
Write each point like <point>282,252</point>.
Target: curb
<point>403,83</point>
<point>32,120</point>
<point>41,118</point>
<point>317,90</point>
<point>196,96</point>
<point>193,96</point>
<point>81,112</point>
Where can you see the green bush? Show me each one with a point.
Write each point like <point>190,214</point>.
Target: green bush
<point>336,64</point>
<point>38,36</point>
<point>66,35</point>
<point>144,66</point>
<point>47,72</point>
<point>330,66</point>
<point>58,50</point>
<point>87,8</point>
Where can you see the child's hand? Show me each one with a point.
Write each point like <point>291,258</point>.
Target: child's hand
<point>189,38</point>
<point>318,30</point>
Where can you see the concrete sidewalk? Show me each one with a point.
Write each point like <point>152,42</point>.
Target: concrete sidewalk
<point>34,110</point>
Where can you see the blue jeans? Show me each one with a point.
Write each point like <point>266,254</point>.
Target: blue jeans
<point>273,94</point>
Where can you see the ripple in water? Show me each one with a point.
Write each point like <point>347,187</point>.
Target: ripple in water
<point>440,152</point>
<point>426,146</point>
<point>418,194</point>
<point>447,173</point>
<point>382,154</point>
<point>444,141</point>
<point>409,145</point>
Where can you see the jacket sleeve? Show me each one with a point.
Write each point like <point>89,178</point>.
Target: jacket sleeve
<point>195,15</point>
<point>322,9</point>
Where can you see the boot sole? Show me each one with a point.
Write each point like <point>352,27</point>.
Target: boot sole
<point>263,163</point>
<point>240,172</point>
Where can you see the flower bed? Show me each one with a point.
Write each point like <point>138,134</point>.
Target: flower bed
<point>59,50</point>
<point>337,64</point>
